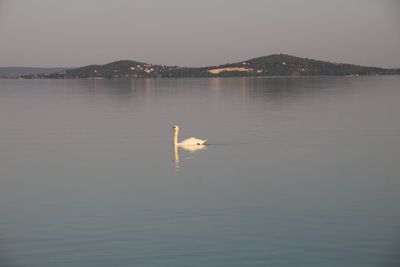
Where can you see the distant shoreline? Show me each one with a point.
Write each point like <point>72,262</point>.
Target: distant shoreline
<point>184,78</point>
<point>276,65</point>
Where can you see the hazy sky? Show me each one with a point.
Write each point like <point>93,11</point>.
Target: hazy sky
<point>51,33</point>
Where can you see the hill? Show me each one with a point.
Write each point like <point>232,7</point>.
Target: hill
<point>120,69</point>
<point>287,65</point>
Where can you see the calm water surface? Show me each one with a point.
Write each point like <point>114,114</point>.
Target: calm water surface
<point>299,172</point>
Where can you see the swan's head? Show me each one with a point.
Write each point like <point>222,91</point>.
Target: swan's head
<point>175,127</point>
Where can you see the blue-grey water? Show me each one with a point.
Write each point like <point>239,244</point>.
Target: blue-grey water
<point>298,172</point>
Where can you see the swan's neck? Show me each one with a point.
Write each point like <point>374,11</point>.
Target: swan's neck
<point>176,136</point>
<point>176,154</point>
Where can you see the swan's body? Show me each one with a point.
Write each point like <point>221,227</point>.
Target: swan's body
<point>192,141</point>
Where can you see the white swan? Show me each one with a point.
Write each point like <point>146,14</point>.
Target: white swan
<point>187,142</point>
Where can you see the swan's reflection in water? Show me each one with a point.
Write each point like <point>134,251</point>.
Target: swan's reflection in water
<point>189,148</point>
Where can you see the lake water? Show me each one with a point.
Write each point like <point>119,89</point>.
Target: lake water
<point>298,172</point>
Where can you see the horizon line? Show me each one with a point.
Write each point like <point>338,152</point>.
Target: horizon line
<point>182,66</point>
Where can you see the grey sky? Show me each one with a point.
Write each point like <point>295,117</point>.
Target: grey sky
<point>197,33</point>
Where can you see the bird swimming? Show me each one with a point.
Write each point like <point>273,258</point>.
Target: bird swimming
<point>192,141</point>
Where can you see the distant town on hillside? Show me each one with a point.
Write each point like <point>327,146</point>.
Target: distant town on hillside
<point>272,65</point>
